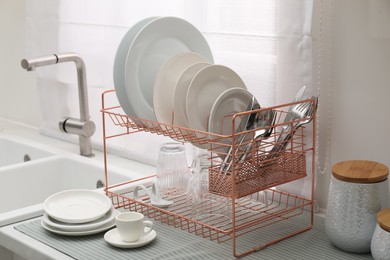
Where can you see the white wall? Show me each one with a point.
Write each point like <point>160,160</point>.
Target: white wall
<point>361,92</point>
<point>18,92</point>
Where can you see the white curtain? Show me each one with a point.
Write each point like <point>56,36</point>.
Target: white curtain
<point>267,42</point>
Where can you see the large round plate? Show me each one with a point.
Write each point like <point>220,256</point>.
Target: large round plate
<point>159,40</point>
<point>120,64</point>
<point>204,89</point>
<point>110,216</point>
<point>109,225</point>
<point>180,95</point>
<point>230,102</point>
<point>77,206</point>
<point>167,78</point>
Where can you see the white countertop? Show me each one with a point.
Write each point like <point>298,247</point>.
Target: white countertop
<point>24,246</point>
<point>21,244</point>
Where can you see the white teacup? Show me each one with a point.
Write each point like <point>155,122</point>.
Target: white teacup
<point>131,226</point>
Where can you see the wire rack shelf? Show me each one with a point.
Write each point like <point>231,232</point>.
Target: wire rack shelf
<point>258,212</point>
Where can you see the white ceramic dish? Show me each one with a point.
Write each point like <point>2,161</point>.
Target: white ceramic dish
<point>120,64</point>
<point>78,233</point>
<point>166,81</point>
<point>204,89</point>
<point>155,43</point>
<point>180,95</point>
<point>230,102</point>
<point>227,104</point>
<point>80,227</point>
<point>77,206</point>
<point>113,238</point>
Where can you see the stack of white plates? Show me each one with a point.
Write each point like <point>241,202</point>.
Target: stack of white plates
<point>78,213</point>
<point>164,72</point>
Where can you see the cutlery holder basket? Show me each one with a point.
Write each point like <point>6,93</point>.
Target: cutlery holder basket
<point>253,177</point>
<point>255,221</point>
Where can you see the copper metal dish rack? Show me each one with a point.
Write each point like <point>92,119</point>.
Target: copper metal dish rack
<point>256,220</point>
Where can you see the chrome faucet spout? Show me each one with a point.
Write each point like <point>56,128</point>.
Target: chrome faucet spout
<point>83,127</point>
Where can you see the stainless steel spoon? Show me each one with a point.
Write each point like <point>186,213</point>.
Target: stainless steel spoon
<point>247,123</point>
<point>264,122</point>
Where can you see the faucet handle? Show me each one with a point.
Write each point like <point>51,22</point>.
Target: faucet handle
<point>75,126</point>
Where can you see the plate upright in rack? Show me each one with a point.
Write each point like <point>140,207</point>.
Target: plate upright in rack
<point>180,95</point>
<point>230,102</point>
<point>120,64</point>
<point>204,89</point>
<point>158,41</point>
<point>166,81</point>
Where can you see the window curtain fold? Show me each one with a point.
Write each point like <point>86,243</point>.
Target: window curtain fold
<point>267,42</point>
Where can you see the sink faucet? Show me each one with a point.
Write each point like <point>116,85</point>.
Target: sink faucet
<point>83,127</point>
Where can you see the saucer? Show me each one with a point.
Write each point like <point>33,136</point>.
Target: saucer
<point>77,206</point>
<point>113,238</point>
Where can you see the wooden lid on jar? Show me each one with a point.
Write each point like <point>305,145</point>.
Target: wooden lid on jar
<point>360,171</point>
<point>383,218</point>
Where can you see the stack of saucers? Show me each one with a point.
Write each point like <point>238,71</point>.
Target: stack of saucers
<point>78,213</point>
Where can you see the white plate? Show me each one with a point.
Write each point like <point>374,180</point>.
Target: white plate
<point>77,206</point>
<point>204,89</point>
<point>230,102</point>
<point>120,64</point>
<point>78,233</point>
<point>113,238</point>
<point>159,40</point>
<point>180,95</point>
<point>80,227</point>
<point>167,78</point>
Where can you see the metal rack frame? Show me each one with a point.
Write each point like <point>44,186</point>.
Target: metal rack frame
<point>244,186</point>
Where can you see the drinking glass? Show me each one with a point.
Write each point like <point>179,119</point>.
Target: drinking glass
<point>206,206</point>
<point>172,169</point>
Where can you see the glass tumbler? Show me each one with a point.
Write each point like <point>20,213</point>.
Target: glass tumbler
<point>205,206</point>
<point>172,169</point>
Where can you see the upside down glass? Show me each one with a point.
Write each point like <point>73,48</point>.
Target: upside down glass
<point>206,206</point>
<point>172,169</point>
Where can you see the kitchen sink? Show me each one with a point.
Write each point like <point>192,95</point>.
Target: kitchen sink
<point>25,186</point>
<point>14,151</point>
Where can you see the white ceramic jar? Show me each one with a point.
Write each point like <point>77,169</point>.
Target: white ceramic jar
<point>356,193</point>
<point>380,243</point>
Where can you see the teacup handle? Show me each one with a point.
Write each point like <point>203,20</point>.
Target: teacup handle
<point>149,224</point>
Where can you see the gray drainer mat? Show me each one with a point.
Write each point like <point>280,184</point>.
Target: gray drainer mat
<point>175,244</point>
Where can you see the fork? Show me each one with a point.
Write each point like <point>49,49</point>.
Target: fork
<point>303,114</point>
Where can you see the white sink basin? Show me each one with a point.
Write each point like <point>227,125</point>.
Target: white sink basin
<point>14,151</point>
<point>25,186</point>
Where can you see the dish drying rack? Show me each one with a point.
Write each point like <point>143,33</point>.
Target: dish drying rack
<point>259,213</point>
